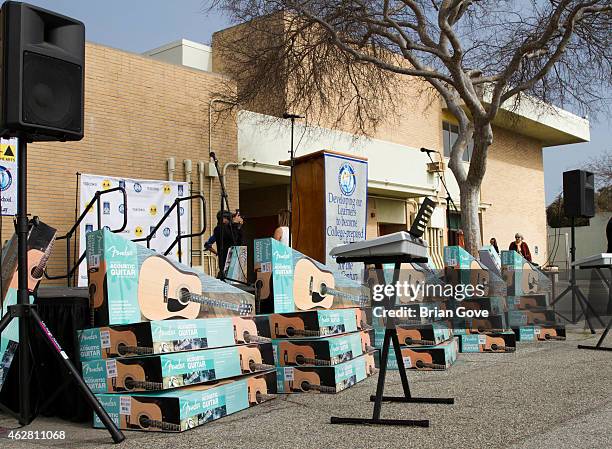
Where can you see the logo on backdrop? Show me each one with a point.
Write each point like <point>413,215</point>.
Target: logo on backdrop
<point>106,208</point>
<point>180,190</point>
<point>106,184</point>
<point>153,210</point>
<point>121,208</point>
<point>347,179</point>
<point>137,187</point>
<point>167,189</point>
<point>122,183</point>
<point>166,232</point>
<point>6,179</point>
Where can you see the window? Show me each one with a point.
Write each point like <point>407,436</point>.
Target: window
<point>449,136</point>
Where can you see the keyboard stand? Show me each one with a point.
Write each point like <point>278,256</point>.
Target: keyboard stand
<point>390,337</point>
<point>608,284</point>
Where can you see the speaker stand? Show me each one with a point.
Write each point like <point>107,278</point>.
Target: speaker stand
<point>27,315</point>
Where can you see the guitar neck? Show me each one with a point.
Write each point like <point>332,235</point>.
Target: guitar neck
<point>248,338</point>
<point>311,361</point>
<point>194,297</point>
<point>421,364</point>
<point>138,350</point>
<point>162,425</point>
<point>321,388</point>
<point>39,269</point>
<point>340,294</point>
<point>145,385</point>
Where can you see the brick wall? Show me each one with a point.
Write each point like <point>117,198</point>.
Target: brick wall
<point>138,112</point>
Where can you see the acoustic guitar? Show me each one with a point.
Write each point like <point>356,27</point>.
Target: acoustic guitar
<point>124,343</point>
<point>258,390</point>
<point>283,326</point>
<point>251,360</point>
<point>421,360</point>
<point>496,344</point>
<point>146,416</point>
<point>530,281</point>
<point>526,302</point>
<point>166,292</point>
<point>293,354</point>
<point>97,288</point>
<point>307,381</point>
<point>132,377</point>
<point>412,337</point>
<point>313,287</point>
<point>549,334</point>
<point>370,364</point>
<point>366,342</point>
<point>245,331</point>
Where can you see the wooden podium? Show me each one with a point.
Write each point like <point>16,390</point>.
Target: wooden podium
<point>308,223</point>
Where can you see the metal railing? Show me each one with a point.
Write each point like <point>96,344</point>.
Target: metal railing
<point>70,270</point>
<point>180,236</point>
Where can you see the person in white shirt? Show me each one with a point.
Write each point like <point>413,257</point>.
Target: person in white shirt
<point>281,233</point>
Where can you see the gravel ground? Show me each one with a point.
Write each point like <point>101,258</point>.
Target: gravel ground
<point>547,394</point>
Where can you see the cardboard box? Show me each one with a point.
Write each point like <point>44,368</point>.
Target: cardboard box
<point>539,333</point>
<point>324,379</point>
<point>291,281</point>
<point>490,259</point>
<point>462,268</point>
<point>314,323</point>
<point>541,317</point>
<point>438,357</point>
<point>523,278</point>
<point>166,371</point>
<point>495,305</point>
<point>494,323</point>
<point>417,335</point>
<point>186,408</point>
<point>322,351</point>
<point>129,283</point>
<point>488,342</point>
<point>156,337</point>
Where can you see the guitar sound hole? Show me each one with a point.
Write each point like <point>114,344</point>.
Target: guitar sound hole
<point>144,421</point>
<point>408,340</point>
<point>129,383</point>
<point>305,385</point>
<point>290,332</point>
<point>121,348</point>
<point>178,304</point>
<point>494,347</point>
<point>420,364</point>
<point>300,359</point>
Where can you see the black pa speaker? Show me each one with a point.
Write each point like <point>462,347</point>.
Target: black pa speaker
<point>43,61</point>
<point>579,194</point>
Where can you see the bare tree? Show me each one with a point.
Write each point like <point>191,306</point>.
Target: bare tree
<point>601,166</point>
<point>346,57</point>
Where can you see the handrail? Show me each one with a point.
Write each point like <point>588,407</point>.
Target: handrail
<point>180,236</point>
<point>96,199</point>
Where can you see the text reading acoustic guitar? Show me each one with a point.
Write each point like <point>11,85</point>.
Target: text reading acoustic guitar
<point>313,287</point>
<point>165,292</point>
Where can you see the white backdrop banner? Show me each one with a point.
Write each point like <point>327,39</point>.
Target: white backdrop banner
<point>8,176</point>
<point>346,190</point>
<point>147,201</point>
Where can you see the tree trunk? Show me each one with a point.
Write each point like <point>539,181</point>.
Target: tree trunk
<point>470,199</point>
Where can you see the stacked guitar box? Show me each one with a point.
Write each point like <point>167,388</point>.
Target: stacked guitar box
<point>319,333</point>
<point>529,314</point>
<point>488,330</point>
<point>172,348</point>
<point>427,343</point>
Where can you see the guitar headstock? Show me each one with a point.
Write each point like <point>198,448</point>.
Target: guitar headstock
<point>245,309</point>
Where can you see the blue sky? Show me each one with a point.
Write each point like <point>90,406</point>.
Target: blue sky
<point>140,25</point>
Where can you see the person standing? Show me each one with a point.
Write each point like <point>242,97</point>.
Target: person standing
<point>520,246</point>
<point>230,225</point>
<point>281,233</point>
<point>493,243</point>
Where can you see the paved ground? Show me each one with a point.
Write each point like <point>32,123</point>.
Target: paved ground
<point>547,394</point>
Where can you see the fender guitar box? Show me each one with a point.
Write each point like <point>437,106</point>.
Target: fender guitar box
<point>324,379</point>
<point>522,277</point>
<point>490,259</point>
<point>129,283</point>
<point>462,268</point>
<point>495,305</point>
<point>156,337</point>
<point>488,342</point>
<point>493,323</point>
<point>166,371</point>
<point>541,317</point>
<point>438,357</point>
<point>314,323</point>
<point>322,351</point>
<point>417,335</point>
<point>189,407</point>
<point>539,333</point>
<point>290,281</point>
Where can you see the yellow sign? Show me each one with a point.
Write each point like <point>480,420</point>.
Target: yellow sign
<point>8,152</point>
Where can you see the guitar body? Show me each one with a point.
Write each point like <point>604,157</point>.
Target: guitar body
<point>536,317</point>
<point>118,339</point>
<point>291,354</point>
<point>264,282</point>
<point>366,341</point>
<point>248,355</point>
<point>302,381</point>
<point>307,282</point>
<point>141,412</point>
<point>370,364</point>
<point>527,303</point>
<point>478,276</point>
<point>97,285</point>
<point>494,343</point>
<point>34,258</point>
<point>416,357</point>
<point>406,336</point>
<point>549,333</point>
<point>257,389</point>
<point>282,326</point>
<point>126,373</point>
<point>242,328</point>
<point>159,279</point>
<point>530,278</point>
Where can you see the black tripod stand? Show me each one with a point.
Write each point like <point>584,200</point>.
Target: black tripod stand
<point>28,315</point>
<point>574,289</point>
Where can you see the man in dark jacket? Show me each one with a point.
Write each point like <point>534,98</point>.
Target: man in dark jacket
<point>226,234</point>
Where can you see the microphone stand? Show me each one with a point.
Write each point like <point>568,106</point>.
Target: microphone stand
<point>449,199</point>
<point>292,117</point>
<point>224,204</point>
